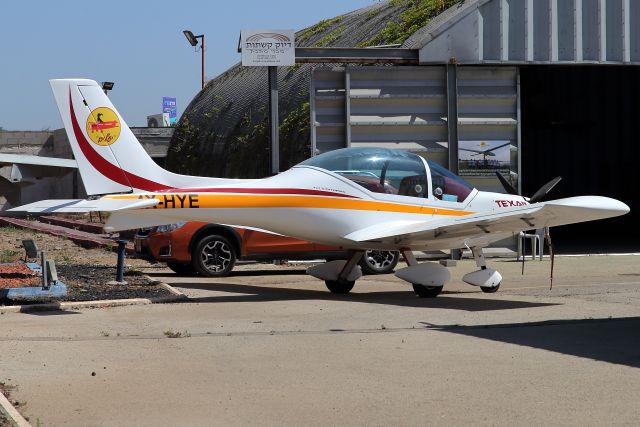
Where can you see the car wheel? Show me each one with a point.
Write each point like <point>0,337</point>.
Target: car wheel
<point>181,269</point>
<point>213,256</point>
<point>427,291</point>
<point>379,262</point>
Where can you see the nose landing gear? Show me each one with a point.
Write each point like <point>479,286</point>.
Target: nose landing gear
<point>486,278</point>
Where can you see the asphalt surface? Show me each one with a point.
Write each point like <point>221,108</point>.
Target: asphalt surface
<point>270,346</point>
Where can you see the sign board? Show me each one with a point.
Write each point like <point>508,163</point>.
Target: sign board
<point>484,158</point>
<point>169,106</point>
<point>264,48</point>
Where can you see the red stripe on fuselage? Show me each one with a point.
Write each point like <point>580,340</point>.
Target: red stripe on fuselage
<point>128,179</point>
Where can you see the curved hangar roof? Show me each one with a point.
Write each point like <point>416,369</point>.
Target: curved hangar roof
<point>224,131</point>
<point>533,31</point>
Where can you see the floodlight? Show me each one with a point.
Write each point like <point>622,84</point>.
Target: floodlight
<point>107,86</point>
<point>190,38</point>
<point>193,41</point>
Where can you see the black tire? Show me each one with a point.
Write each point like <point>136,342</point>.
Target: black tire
<point>340,286</point>
<point>181,269</point>
<point>427,291</point>
<point>488,290</point>
<point>213,256</point>
<point>379,262</point>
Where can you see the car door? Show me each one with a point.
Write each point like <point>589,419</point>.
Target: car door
<point>260,243</point>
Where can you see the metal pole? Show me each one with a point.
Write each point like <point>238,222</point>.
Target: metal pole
<point>452,125</point>
<point>273,112</point>
<point>202,61</point>
<point>347,106</point>
<point>452,116</point>
<point>120,266</point>
<point>43,264</point>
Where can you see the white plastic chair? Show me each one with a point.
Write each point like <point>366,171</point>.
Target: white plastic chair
<point>537,246</point>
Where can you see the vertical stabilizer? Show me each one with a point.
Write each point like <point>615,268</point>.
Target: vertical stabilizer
<point>109,156</point>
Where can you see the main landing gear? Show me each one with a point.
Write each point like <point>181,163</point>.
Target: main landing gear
<point>339,275</point>
<point>427,278</point>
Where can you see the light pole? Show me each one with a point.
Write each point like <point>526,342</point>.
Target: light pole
<point>193,41</point>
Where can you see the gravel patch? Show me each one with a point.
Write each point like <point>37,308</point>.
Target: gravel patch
<point>88,273</point>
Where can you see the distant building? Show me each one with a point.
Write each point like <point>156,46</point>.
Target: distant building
<point>62,184</point>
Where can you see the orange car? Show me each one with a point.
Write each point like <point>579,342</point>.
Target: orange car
<point>212,249</point>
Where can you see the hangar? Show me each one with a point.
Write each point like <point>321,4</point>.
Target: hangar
<point>553,83</point>
<point>556,81</point>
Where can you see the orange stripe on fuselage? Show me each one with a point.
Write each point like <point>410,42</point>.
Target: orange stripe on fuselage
<point>240,201</point>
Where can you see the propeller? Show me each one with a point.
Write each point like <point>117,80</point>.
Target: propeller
<point>542,192</point>
<point>537,197</point>
<point>506,184</point>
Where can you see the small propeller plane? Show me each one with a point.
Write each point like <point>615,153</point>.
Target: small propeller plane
<point>355,198</point>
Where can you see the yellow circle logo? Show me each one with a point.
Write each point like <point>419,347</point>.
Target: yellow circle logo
<point>103,126</point>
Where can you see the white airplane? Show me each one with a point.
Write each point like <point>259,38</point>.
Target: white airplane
<point>355,198</point>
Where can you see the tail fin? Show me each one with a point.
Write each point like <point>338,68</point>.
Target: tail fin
<point>109,156</point>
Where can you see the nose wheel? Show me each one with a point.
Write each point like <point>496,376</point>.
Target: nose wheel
<point>487,279</point>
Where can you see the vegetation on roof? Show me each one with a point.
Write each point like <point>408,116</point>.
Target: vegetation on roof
<point>417,14</point>
<point>318,28</point>
<point>225,130</point>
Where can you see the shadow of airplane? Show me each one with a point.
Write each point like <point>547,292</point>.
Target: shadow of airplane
<point>251,293</point>
<point>248,273</point>
<point>607,340</point>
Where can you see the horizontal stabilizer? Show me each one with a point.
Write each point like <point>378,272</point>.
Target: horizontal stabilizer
<point>82,206</point>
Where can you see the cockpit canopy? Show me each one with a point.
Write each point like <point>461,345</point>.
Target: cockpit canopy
<point>382,170</point>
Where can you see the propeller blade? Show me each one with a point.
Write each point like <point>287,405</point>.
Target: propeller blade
<point>506,185</point>
<point>539,195</point>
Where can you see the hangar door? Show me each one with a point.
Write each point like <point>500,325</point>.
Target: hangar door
<point>583,123</point>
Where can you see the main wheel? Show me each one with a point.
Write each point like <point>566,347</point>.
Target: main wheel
<point>340,286</point>
<point>427,291</point>
<point>213,256</point>
<point>181,269</point>
<point>488,290</point>
<point>379,262</point>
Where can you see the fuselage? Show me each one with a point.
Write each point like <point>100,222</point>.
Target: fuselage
<point>302,202</point>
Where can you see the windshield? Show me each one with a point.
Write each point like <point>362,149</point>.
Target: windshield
<point>383,170</point>
<point>447,186</point>
<point>380,170</point>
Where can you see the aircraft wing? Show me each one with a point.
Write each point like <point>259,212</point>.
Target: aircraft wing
<point>24,159</point>
<point>80,206</point>
<point>480,229</point>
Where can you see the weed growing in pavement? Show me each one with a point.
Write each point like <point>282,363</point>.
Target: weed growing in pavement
<point>176,334</point>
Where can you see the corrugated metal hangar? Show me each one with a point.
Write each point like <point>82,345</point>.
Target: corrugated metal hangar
<point>535,89</point>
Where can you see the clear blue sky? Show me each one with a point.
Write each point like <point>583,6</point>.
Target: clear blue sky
<point>139,45</point>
